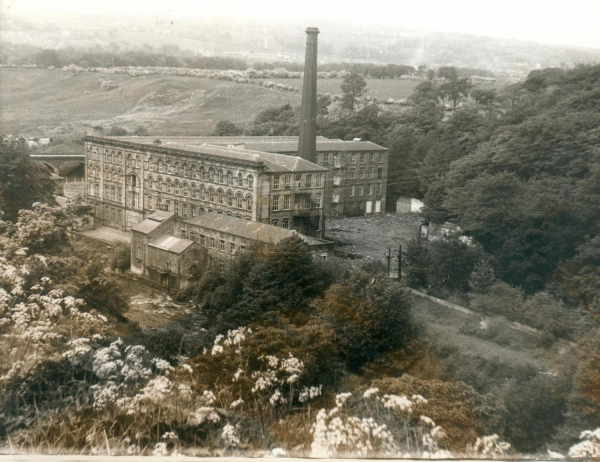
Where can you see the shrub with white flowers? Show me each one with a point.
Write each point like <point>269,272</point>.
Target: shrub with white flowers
<point>589,448</point>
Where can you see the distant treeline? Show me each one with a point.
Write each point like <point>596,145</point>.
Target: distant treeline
<point>173,56</point>
<point>170,56</point>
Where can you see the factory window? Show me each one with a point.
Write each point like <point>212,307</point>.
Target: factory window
<point>193,210</point>
<point>275,203</point>
<point>274,222</point>
<point>372,155</point>
<point>308,180</point>
<point>318,200</point>
<point>285,224</point>
<point>213,243</point>
<point>371,172</point>
<point>380,173</point>
<point>319,180</point>
<point>353,158</point>
<point>361,173</point>
<point>286,202</point>
<point>287,180</point>
<point>232,248</point>
<point>363,158</point>
<point>202,240</point>
<point>222,245</point>
<point>380,157</point>
<point>276,182</point>
<point>352,173</point>
<point>378,189</point>
<point>351,191</point>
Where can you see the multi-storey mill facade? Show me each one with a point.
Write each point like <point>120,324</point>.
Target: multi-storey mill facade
<point>129,180</point>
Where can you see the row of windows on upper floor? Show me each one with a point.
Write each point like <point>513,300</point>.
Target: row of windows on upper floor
<point>337,159</point>
<point>297,202</point>
<point>211,174</point>
<point>298,180</point>
<point>219,196</point>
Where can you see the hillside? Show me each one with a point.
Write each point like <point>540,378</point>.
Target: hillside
<point>55,103</point>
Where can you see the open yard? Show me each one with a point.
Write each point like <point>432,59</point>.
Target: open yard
<point>370,237</point>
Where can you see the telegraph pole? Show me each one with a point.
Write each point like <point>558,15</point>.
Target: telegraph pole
<point>400,263</point>
<point>389,259</point>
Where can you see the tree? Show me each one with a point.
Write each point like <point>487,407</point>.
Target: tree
<point>353,88</point>
<point>22,181</point>
<point>370,315</point>
<point>456,90</point>
<point>448,72</point>
<point>417,261</point>
<point>323,103</point>
<point>227,128</point>
<point>482,277</point>
<point>485,98</point>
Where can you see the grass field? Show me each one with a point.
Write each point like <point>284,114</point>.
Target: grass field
<point>54,103</point>
<point>381,89</point>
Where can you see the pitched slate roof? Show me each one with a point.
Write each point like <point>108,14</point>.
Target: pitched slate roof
<point>251,230</point>
<point>272,161</point>
<point>146,226</point>
<point>171,243</point>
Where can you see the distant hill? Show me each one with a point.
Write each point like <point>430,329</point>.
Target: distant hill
<point>285,40</point>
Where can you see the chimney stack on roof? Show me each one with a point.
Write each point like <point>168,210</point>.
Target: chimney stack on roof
<point>307,143</point>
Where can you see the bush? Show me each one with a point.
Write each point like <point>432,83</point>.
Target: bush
<point>120,258</point>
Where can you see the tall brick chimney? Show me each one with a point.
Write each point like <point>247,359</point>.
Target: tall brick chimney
<point>307,143</point>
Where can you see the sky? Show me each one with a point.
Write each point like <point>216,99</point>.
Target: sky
<point>573,22</point>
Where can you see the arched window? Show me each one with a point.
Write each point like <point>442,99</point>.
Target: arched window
<point>120,157</point>
<point>194,191</point>
<point>318,200</point>
<point>240,179</point>
<point>239,200</point>
<point>220,196</point>
<point>249,202</point>
<point>159,183</point>
<point>186,170</point>
<point>221,176</point>
<point>186,190</point>
<point>211,174</point>
<point>176,187</point>
<point>150,181</point>
<point>128,161</point>
<point>138,162</point>
<point>202,193</point>
<point>230,178</point>
<point>250,181</point>
<point>204,174</point>
<point>150,204</point>
<point>211,194</point>
<point>161,166</point>
<point>169,168</point>
<point>151,164</point>
<point>194,172</point>
<point>110,158</point>
<point>230,198</point>
<point>169,185</point>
